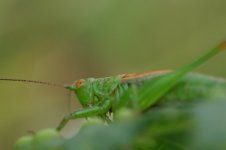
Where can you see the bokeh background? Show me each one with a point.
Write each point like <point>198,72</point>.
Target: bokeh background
<point>61,41</point>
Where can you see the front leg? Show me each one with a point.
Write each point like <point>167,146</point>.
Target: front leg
<point>86,112</point>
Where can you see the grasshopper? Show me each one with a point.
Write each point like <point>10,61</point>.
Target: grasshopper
<point>102,96</point>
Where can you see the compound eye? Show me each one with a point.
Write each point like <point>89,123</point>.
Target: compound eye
<point>79,83</point>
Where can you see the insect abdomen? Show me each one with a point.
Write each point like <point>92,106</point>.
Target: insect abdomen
<point>193,87</point>
<point>196,87</point>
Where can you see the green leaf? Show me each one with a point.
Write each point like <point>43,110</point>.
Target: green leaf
<point>199,126</point>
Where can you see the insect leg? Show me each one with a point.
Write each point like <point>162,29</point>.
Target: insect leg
<point>134,97</point>
<point>86,112</point>
<point>129,97</point>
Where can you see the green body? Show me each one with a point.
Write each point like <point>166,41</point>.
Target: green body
<point>192,87</point>
<point>100,97</point>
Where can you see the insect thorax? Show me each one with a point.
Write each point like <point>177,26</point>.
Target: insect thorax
<point>92,91</point>
<point>103,88</point>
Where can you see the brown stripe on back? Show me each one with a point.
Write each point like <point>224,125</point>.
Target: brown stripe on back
<point>134,76</point>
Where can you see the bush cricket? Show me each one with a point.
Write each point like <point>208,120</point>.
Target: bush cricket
<point>101,96</point>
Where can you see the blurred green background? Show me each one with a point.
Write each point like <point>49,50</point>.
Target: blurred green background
<point>61,41</point>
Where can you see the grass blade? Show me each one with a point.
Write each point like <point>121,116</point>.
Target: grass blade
<point>154,90</point>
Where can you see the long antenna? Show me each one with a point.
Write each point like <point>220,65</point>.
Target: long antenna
<point>32,81</point>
